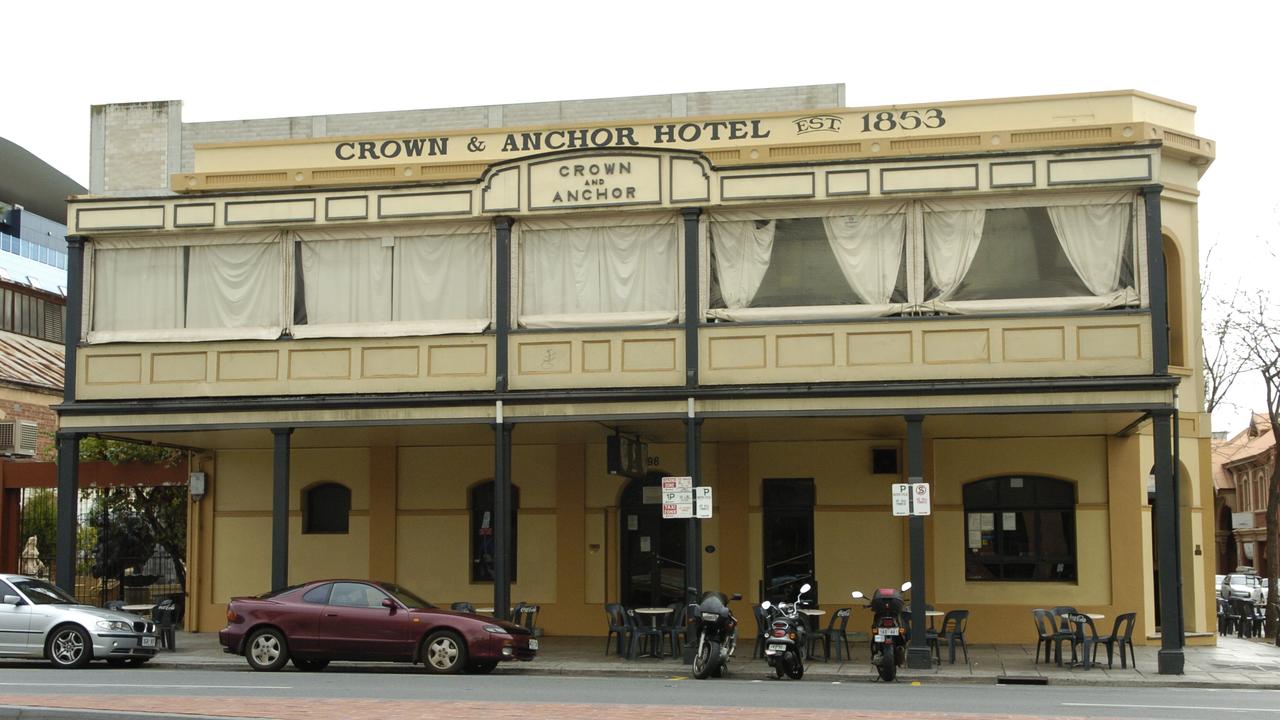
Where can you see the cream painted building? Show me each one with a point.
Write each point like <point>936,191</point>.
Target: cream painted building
<point>399,341</point>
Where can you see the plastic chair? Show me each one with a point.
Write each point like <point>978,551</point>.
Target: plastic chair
<point>1062,631</point>
<point>837,632</point>
<point>465,607</point>
<point>762,626</point>
<point>952,632</point>
<point>528,619</point>
<point>618,625</point>
<point>647,635</point>
<point>1121,635</point>
<point>1087,635</point>
<point>1043,637</point>
<point>676,625</point>
<point>165,616</point>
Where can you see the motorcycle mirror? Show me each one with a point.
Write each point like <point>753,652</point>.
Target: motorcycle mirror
<point>805,588</point>
<point>906,586</point>
<point>766,605</point>
<point>857,595</point>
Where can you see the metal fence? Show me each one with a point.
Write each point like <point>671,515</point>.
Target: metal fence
<point>130,541</point>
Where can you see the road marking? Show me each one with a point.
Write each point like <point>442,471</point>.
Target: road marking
<point>1173,707</point>
<point>185,687</point>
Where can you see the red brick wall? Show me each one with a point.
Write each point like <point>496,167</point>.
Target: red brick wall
<point>45,419</point>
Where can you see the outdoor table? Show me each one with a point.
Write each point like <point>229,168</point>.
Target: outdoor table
<point>812,615</point>
<point>487,610</point>
<point>143,610</point>
<point>931,614</point>
<point>653,613</point>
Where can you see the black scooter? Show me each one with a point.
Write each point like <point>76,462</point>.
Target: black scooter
<point>717,631</point>
<point>888,633</point>
<point>785,638</point>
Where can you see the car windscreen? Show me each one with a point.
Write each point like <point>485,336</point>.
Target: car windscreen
<point>40,592</point>
<point>409,599</point>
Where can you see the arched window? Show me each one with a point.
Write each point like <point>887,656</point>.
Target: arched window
<point>1173,289</point>
<point>325,508</point>
<point>1020,528</point>
<point>480,501</point>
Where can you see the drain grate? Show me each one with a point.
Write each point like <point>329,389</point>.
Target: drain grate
<point>1021,680</point>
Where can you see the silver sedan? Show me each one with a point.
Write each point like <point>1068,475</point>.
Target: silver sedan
<point>39,620</point>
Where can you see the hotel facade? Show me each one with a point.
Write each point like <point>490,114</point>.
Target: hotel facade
<point>459,349</point>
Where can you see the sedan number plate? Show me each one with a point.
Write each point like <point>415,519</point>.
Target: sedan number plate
<point>148,642</point>
<point>533,644</point>
<point>777,648</point>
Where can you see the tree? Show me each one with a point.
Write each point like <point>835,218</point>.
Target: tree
<point>1258,330</point>
<point>1219,346</point>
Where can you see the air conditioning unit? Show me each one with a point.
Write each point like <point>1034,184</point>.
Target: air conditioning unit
<point>18,438</point>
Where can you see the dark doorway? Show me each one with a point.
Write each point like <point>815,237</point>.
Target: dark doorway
<point>788,539</point>
<point>653,562</point>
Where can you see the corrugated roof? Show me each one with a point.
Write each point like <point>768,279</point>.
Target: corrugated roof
<point>30,362</point>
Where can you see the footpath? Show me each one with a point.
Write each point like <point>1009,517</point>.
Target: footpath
<point>1233,663</point>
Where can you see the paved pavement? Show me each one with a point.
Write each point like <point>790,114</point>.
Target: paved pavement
<point>1233,663</point>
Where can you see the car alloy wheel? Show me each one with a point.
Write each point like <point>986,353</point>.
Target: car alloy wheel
<point>267,650</point>
<point>444,652</point>
<point>69,647</point>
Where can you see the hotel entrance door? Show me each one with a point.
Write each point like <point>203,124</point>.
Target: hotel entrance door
<point>652,549</point>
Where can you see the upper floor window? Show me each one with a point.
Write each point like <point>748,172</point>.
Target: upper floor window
<point>431,282</point>
<point>848,256</point>
<point>1020,528</point>
<point>1073,255</point>
<point>626,272</point>
<point>326,508</point>
<point>228,286</point>
<point>26,313</point>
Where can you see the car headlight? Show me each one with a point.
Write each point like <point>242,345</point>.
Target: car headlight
<point>118,625</point>
<point>495,629</point>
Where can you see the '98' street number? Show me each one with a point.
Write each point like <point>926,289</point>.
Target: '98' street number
<point>887,120</point>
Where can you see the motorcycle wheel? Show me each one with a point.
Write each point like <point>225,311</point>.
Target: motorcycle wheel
<point>887,668</point>
<point>796,670</point>
<point>706,659</point>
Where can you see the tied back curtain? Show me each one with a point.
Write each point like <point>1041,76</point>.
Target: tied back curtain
<point>346,281</point>
<point>743,250</point>
<point>234,286</point>
<point>442,277</point>
<point>575,273</point>
<point>868,249</point>
<point>138,288</point>
<point>951,240</point>
<point>1094,240</point>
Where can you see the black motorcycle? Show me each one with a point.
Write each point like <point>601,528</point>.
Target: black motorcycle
<point>717,631</point>
<point>888,633</point>
<point>785,637</point>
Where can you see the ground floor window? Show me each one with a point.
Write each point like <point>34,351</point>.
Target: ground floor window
<point>788,539</point>
<point>483,549</point>
<point>326,508</point>
<point>1020,528</point>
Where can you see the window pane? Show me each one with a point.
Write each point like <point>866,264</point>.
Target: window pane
<point>1019,256</point>
<point>442,277</point>
<point>328,508</point>
<point>483,550</point>
<point>356,595</point>
<point>344,281</point>
<point>318,595</point>
<point>231,286</point>
<point>138,289</point>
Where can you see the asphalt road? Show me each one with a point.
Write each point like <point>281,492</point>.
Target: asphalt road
<point>212,694</point>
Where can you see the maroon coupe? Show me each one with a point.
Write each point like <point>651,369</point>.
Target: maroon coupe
<point>325,620</point>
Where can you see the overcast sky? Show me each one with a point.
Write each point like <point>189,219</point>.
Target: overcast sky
<point>231,60</point>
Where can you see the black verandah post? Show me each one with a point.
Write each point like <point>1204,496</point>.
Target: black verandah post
<point>501,518</point>
<point>68,494</point>
<point>918,657</point>
<point>280,508</point>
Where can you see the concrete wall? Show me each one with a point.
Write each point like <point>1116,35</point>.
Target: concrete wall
<point>136,146</point>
